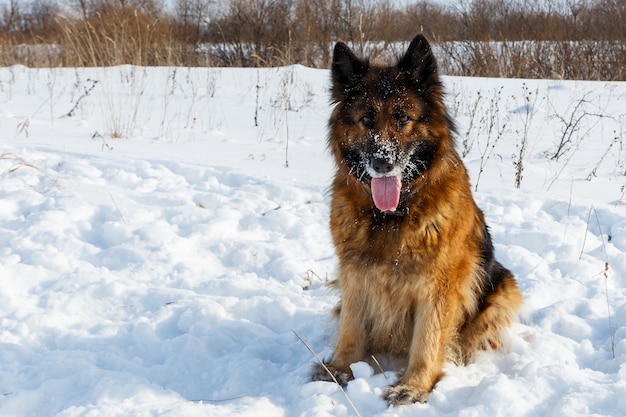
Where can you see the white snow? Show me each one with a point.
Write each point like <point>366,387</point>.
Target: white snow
<point>162,273</point>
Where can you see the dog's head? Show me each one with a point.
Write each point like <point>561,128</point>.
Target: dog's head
<point>389,122</point>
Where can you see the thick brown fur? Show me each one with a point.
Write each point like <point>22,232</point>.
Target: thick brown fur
<point>419,283</point>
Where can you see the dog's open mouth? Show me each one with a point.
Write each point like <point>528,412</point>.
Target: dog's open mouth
<point>386,166</point>
<point>386,169</point>
<point>386,192</point>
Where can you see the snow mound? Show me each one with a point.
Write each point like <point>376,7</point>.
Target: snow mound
<point>158,246</point>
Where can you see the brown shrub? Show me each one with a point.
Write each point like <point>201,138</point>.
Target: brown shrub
<point>505,38</point>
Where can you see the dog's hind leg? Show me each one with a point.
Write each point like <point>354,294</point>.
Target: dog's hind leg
<point>497,310</point>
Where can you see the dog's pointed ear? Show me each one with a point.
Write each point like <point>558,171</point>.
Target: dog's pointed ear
<point>419,62</point>
<point>347,70</point>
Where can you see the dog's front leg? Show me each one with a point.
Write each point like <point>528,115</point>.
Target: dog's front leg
<point>350,345</point>
<point>426,355</point>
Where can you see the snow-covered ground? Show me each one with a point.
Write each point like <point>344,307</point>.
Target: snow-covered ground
<point>161,273</point>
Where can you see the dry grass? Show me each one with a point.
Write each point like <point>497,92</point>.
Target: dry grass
<point>498,38</point>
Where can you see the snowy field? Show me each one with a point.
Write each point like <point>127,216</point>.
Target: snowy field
<point>163,230</point>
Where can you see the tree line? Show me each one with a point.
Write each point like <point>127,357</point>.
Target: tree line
<point>525,38</point>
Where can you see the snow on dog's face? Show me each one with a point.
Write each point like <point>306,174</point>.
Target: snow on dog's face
<point>388,123</point>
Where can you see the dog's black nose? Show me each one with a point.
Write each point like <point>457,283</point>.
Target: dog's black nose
<point>381,165</point>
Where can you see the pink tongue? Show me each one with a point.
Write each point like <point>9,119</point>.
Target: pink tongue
<point>386,192</point>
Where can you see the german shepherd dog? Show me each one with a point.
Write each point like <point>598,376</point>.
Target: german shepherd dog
<point>417,275</point>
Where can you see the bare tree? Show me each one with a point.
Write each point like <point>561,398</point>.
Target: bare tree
<point>193,16</point>
<point>10,16</point>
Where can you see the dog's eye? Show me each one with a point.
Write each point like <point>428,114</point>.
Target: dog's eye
<point>403,120</point>
<point>367,122</point>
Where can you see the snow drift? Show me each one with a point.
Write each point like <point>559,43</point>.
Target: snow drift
<point>163,230</point>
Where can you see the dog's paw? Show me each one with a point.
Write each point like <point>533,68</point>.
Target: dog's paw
<point>319,373</point>
<point>405,394</point>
